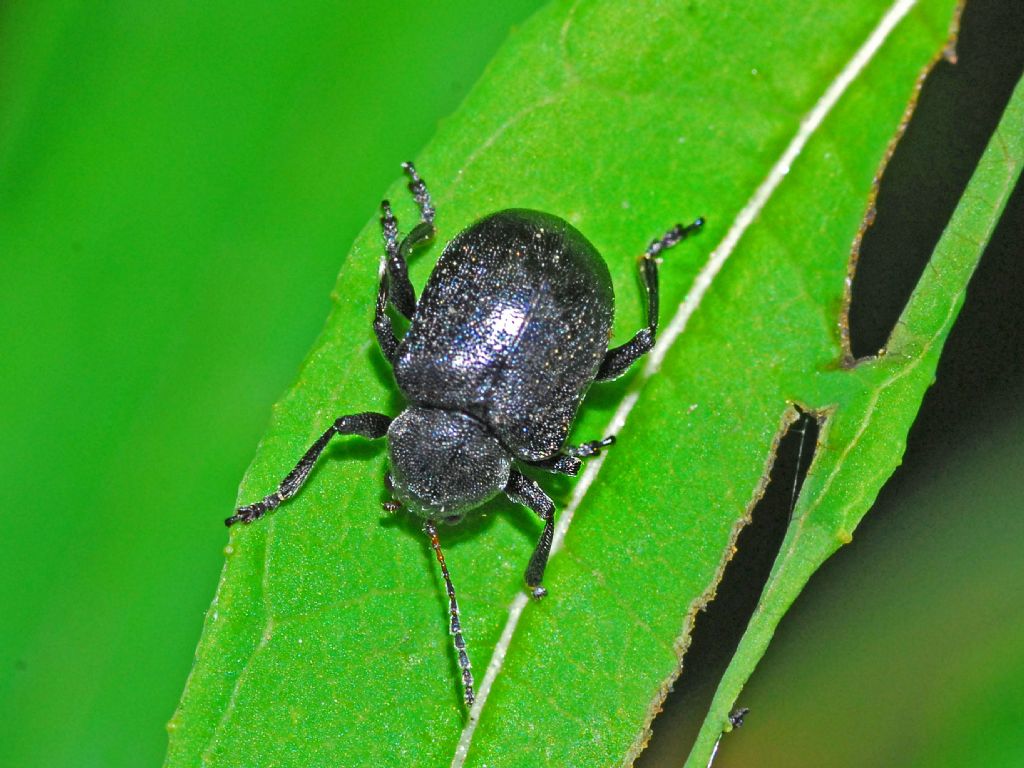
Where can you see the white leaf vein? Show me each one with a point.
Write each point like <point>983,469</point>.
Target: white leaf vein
<point>702,283</point>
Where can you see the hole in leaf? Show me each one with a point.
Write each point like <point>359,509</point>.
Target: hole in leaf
<point>958,109</point>
<point>718,629</point>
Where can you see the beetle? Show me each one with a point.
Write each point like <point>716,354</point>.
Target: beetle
<point>511,330</point>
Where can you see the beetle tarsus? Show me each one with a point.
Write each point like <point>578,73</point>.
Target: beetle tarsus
<point>675,235</point>
<point>618,360</point>
<point>737,715</point>
<point>255,511</point>
<point>591,448</point>
<point>418,187</point>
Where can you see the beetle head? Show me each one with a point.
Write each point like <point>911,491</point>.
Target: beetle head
<point>444,463</point>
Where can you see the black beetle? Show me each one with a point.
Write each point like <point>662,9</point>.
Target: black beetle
<point>512,329</point>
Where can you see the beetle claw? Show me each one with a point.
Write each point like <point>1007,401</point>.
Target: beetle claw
<point>245,514</point>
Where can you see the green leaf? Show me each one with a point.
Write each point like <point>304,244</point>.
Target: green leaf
<point>869,417</point>
<point>326,642</point>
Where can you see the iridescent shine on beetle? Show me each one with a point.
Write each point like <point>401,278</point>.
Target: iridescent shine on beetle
<point>509,334</point>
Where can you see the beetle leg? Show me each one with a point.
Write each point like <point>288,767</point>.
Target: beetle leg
<point>422,233</point>
<point>418,187</point>
<point>395,285</point>
<point>382,325</point>
<point>396,271</point>
<point>370,425</point>
<point>523,490</point>
<point>568,461</point>
<point>396,254</point>
<point>617,361</point>
<point>591,448</point>
<point>559,464</point>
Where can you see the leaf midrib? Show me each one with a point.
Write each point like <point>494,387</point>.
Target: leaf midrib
<point>677,326</point>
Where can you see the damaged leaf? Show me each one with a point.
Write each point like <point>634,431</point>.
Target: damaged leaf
<point>327,643</point>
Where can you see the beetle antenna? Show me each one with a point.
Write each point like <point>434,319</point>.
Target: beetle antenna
<point>453,610</point>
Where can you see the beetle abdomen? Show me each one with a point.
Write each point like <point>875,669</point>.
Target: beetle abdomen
<point>511,328</point>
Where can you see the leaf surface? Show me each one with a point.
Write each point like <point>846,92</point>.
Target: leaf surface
<point>326,642</point>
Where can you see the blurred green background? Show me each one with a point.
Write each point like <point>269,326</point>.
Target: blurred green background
<point>178,184</point>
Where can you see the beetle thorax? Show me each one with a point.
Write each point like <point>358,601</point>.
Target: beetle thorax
<point>444,463</point>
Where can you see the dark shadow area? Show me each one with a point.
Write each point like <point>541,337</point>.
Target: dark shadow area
<point>959,107</point>
<point>981,372</point>
<point>718,629</point>
<point>978,383</point>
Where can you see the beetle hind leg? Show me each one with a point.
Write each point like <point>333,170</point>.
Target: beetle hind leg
<point>395,270</point>
<point>396,254</point>
<point>617,361</point>
<point>395,287</point>
<point>419,190</point>
<point>423,232</point>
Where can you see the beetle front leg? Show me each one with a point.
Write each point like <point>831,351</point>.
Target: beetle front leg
<point>617,361</point>
<point>523,490</point>
<point>369,425</point>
